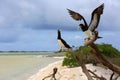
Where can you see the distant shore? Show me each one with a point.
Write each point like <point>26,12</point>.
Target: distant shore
<point>45,53</point>
<point>65,73</point>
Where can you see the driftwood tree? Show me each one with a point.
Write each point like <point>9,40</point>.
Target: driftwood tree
<point>104,61</point>
<point>95,51</point>
<point>99,56</point>
<point>52,75</point>
<point>89,41</point>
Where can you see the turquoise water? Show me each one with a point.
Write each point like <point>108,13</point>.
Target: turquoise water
<point>22,66</point>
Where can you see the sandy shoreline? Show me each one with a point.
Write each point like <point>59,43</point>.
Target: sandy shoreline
<point>65,73</point>
<point>21,67</point>
<point>41,72</point>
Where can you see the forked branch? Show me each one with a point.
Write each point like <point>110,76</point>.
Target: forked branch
<point>101,58</point>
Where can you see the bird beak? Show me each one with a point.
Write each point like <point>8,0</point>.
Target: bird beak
<point>79,27</point>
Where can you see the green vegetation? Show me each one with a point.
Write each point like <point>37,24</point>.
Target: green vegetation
<point>108,50</point>
<point>85,55</point>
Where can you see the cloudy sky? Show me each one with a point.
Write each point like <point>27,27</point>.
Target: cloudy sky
<point>31,25</point>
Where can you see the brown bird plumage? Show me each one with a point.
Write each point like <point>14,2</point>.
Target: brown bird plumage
<point>75,15</point>
<point>95,18</point>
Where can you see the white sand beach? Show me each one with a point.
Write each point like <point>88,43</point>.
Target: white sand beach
<point>65,73</point>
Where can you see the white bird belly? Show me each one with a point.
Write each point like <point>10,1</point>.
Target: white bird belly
<point>61,44</point>
<point>88,33</point>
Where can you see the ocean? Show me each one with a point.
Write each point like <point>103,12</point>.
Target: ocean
<point>22,65</point>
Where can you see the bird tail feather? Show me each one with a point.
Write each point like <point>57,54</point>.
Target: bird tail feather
<point>99,37</point>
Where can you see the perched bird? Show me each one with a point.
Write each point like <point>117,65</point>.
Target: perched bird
<point>95,18</point>
<point>63,44</point>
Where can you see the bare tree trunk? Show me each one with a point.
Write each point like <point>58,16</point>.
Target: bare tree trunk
<point>99,56</point>
<point>96,52</point>
<point>96,76</point>
<point>103,60</point>
<point>86,72</point>
<point>81,63</point>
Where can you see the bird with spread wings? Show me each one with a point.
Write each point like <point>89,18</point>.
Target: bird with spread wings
<point>95,18</point>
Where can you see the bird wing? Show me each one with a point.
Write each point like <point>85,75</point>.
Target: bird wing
<point>75,15</point>
<point>96,17</point>
<point>65,43</point>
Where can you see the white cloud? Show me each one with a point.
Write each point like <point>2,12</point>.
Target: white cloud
<point>22,22</point>
<point>35,12</point>
<point>78,37</point>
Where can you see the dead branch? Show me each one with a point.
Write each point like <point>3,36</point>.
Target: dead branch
<point>97,53</point>
<point>103,60</point>
<point>96,76</point>
<point>116,77</point>
<point>99,56</point>
<point>52,75</point>
<point>111,77</point>
<point>81,63</point>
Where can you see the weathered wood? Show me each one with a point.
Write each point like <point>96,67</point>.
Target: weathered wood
<point>115,78</point>
<point>96,76</point>
<point>52,75</point>
<point>103,60</point>
<point>82,64</point>
<point>99,56</point>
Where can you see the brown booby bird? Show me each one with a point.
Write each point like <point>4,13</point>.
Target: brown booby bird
<point>63,44</point>
<point>95,18</point>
